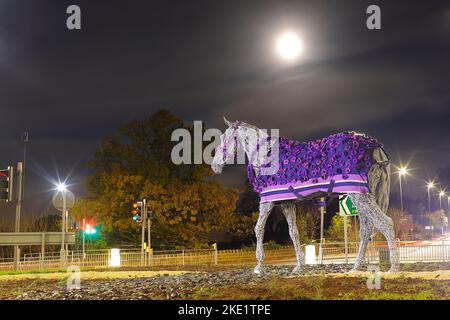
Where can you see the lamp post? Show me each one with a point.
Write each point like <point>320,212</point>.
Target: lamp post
<point>448,204</point>
<point>441,194</point>
<point>430,186</point>
<point>448,211</point>
<point>401,173</point>
<point>62,188</point>
<point>84,236</point>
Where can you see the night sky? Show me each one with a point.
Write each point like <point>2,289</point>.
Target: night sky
<point>206,59</point>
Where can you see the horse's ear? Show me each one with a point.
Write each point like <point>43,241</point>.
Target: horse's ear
<point>228,123</point>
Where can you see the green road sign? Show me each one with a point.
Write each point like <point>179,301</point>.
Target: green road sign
<point>346,207</point>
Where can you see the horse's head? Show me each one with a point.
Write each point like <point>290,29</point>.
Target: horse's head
<point>226,150</point>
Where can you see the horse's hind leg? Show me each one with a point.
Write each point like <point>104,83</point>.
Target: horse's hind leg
<point>264,211</point>
<point>289,211</point>
<point>366,230</point>
<point>367,205</point>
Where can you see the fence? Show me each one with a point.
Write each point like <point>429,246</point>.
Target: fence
<point>331,253</point>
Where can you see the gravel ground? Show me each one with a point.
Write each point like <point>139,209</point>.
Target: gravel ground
<point>165,286</point>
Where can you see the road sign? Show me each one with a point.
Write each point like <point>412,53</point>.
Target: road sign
<point>58,200</point>
<point>35,238</point>
<point>346,207</point>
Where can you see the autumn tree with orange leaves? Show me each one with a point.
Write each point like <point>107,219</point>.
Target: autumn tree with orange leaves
<point>135,163</point>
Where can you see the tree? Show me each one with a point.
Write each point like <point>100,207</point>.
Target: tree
<point>437,218</point>
<point>396,216</point>
<point>308,222</point>
<point>136,163</point>
<point>336,230</point>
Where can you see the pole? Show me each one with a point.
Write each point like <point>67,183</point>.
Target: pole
<point>401,192</point>
<point>322,213</point>
<point>41,266</point>
<point>63,227</point>
<point>25,142</point>
<point>67,228</point>
<point>84,236</point>
<point>345,238</point>
<point>149,240</point>
<point>448,212</point>
<point>18,209</point>
<point>429,200</point>
<point>440,207</point>
<point>144,217</point>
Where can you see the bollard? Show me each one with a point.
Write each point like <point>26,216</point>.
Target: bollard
<point>114,258</point>
<point>310,254</point>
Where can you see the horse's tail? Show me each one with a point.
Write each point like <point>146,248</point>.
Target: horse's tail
<point>379,178</point>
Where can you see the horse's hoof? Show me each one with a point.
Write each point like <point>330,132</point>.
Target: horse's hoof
<point>297,270</point>
<point>353,270</point>
<point>258,269</point>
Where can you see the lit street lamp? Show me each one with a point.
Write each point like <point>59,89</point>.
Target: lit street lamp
<point>403,171</point>
<point>430,186</point>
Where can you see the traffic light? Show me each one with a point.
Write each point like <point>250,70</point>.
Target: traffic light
<point>6,184</point>
<point>90,230</point>
<point>150,214</point>
<point>137,211</point>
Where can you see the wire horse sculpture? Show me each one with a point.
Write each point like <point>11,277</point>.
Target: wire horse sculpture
<point>345,163</point>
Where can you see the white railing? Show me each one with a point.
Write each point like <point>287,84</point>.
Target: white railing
<point>335,253</point>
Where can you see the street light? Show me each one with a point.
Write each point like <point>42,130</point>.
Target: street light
<point>430,186</point>
<point>403,171</point>
<point>448,210</point>
<point>61,187</point>
<point>441,194</point>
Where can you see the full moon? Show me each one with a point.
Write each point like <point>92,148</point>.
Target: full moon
<point>289,46</point>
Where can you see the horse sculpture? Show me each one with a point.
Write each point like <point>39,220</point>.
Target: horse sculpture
<point>345,163</point>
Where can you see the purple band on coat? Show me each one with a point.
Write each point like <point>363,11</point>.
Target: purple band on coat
<point>290,196</point>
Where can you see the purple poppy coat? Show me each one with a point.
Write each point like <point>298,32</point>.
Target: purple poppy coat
<point>338,163</point>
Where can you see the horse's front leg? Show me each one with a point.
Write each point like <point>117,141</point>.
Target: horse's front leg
<point>289,211</point>
<point>264,211</point>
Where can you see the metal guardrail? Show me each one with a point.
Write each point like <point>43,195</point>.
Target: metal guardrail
<point>284,254</point>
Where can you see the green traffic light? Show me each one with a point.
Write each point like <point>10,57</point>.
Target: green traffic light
<point>90,231</point>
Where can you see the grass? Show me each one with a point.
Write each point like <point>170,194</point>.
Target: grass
<point>53,270</point>
<point>333,288</point>
<point>11,272</point>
